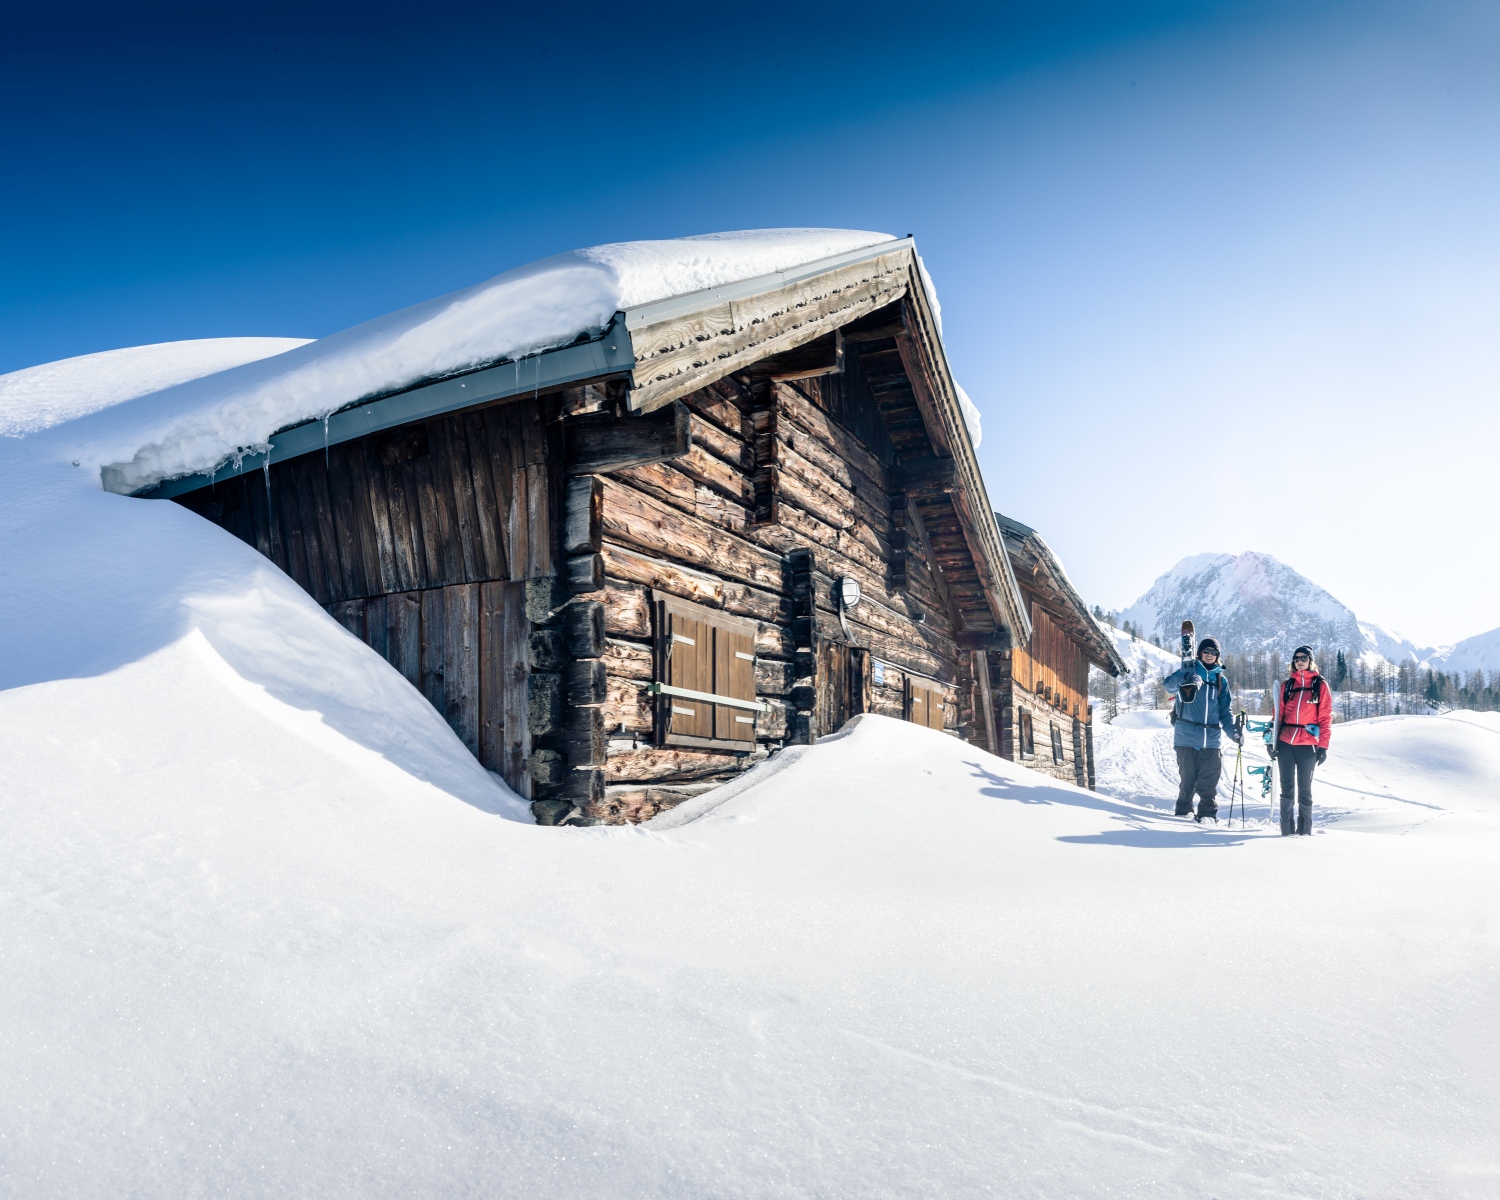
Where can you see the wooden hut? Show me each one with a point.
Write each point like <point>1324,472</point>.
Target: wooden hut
<point>626,569</point>
<point>1040,686</point>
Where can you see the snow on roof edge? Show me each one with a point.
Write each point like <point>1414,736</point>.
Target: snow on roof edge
<point>196,426</point>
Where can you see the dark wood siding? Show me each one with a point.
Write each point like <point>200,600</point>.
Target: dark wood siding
<point>465,498</point>
<point>419,540</point>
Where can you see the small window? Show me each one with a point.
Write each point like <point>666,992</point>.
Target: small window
<point>705,676</point>
<point>924,702</point>
<point>1057,745</point>
<point>1028,745</point>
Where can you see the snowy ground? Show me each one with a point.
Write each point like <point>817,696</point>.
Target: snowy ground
<point>891,966</point>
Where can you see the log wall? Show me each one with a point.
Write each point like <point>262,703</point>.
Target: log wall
<point>696,527</point>
<point>1047,680</point>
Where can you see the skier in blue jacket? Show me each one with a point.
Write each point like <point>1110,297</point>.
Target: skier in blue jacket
<point>1197,729</point>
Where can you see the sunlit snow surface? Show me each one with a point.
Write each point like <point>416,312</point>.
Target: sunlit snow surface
<point>39,397</point>
<point>238,961</point>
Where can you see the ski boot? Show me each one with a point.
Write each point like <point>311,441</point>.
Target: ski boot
<point>1207,808</point>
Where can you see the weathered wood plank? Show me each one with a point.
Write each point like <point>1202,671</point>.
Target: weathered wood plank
<point>433,656</point>
<point>730,448</point>
<point>623,563</point>
<point>348,497</point>
<point>584,499</point>
<point>457,480</point>
<point>632,517</point>
<point>489,548</point>
<point>377,629</point>
<point>351,615</point>
<point>539,514</point>
<point>596,446</point>
<point>798,412</point>
<point>518,526</point>
<point>515,633</point>
<point>461,688</point>
<point>628,660</point>
<point>628,707</point>
<point>647,763</point>
<point>403,614</point>
<point>722,404</point>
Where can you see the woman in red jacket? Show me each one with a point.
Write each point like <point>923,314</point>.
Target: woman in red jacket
<point>1304,715</point>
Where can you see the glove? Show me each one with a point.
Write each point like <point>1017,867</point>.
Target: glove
<point>1271,751</point>
<point>1322,755</point>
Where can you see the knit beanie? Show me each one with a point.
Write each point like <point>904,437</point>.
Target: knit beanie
<point>1209,644</point>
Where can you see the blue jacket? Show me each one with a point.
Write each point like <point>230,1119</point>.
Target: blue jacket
<point>1198,723</point>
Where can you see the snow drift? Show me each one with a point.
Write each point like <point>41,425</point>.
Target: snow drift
<point>897,966</point>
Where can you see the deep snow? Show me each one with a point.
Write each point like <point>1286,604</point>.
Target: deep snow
<point>241,960</point>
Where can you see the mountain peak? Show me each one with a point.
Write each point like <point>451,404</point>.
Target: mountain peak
<point>1254,601</point>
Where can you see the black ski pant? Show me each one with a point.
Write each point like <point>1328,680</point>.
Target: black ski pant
<point>1198,771</point>
<point>1295,766</point>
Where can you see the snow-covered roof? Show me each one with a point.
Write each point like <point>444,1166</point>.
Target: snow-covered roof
<point>670,315</point>
<point>1061,597</point>
<point>196,426</point>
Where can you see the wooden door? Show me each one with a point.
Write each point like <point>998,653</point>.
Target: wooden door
<point>843,685</point>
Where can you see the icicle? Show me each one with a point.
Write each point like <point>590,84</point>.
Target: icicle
<point>325,440</point>
<point>265,468</point>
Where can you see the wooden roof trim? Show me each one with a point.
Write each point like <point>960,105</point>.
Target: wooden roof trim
<point>1050,582</point>
<point>689,348</point>
<point>937,399</point>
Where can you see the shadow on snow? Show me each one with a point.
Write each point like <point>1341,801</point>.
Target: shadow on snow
<point>1139,828</point>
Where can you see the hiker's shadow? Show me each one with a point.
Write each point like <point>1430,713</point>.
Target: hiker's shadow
<point>1139,827</point>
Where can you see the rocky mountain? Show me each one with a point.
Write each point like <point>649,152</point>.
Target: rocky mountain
<point>1253,601</point>
<point>1478,653</point>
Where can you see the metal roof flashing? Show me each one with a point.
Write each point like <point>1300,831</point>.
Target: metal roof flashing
<point>609,353</point>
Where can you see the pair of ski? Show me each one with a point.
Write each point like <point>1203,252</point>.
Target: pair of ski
<point>1187,691</point>
<point>1189,654</point>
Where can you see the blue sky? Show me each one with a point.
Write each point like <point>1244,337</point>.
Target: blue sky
<point>1219,276</point>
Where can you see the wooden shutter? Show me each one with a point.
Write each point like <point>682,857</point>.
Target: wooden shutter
<point>1057,743</point>
<point>935,708</point>
<point>916,702</point>
<point>687,646</point>
<point>734,676</point>
<point>711,653</point>
<point>924,703</point>
<point>1028,746</point>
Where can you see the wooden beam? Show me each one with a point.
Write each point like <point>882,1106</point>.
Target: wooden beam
<point>597,446</point>
<point>925,476</point>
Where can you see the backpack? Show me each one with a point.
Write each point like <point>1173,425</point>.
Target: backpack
<point>1315,687</point>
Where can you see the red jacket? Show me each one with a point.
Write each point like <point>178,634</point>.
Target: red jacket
<point>1310,702</point>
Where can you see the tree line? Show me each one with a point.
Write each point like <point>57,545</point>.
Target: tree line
<point>1362,688</point>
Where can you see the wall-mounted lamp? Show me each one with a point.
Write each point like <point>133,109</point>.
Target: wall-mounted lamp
<point>846,595</point>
